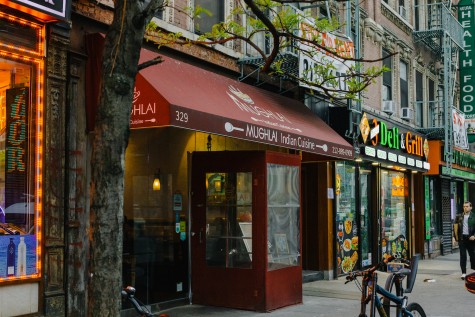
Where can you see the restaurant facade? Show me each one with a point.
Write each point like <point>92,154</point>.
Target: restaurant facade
<point>229,188</point>
<point>379,205</point>
<point>213,185</point>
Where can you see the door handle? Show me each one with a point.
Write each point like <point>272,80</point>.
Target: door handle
<point>199,235</point>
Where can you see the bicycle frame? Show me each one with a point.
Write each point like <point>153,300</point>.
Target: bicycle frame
<point>376,303</point>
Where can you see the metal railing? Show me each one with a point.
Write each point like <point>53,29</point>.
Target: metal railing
<point>433,21</point>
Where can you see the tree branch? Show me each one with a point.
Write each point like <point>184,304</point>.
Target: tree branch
<point>273,31</point>
<point>157,60</point>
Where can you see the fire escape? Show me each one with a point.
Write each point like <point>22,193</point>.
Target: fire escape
<point>438,29</point>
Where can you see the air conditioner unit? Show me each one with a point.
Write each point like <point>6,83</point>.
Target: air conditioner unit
<point>388,106</point>
<point>402,11</point>
<point>407,113</point>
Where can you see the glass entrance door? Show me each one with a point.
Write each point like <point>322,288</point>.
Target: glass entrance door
<point>228,232</point>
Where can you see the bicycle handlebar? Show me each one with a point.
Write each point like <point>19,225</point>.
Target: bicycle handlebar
<point>353,275</point>
<point>129,293</point>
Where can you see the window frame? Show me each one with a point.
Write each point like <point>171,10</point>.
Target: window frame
<point>387,81</point>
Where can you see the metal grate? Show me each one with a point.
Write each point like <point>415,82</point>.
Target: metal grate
<point>289,65</point>
<point>446,218</point>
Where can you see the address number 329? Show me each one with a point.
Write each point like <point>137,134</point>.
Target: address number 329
<point>181,116</point>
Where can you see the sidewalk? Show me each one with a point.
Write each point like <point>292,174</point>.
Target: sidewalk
<point>445,296</point>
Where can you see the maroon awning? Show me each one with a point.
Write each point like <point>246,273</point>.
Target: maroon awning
<point>178,94</point>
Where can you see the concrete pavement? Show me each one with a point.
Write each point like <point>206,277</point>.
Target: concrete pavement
<point>444,296</point>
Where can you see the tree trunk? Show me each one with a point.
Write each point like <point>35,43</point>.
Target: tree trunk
<point>120,59</point>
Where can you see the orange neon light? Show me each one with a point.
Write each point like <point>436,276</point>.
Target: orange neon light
<point>40,34</point>
<point>39,64</point>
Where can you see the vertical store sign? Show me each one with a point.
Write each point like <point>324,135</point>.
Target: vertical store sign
<point>16,145</point>
<point>467,66</point>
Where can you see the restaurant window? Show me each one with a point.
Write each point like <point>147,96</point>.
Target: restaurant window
<point>229,220</point>
<point>214,14</point>
<point>394,194</point>
<point>283,216</point>
<point>346,222</point>
<point>155,224</point>
<point>21,67</point>
<point>387,76</point>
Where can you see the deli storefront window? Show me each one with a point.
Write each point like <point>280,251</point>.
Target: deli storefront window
<point>394,194</point>
<point>346,226</point>
<point>20,167</point>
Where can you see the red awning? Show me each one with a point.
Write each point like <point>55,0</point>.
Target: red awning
<point>174,93</point>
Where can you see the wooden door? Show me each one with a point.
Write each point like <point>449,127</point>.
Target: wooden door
<point>225,255</point>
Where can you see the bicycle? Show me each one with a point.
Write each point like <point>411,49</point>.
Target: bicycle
<point>394,281</point>
<point>370,291</point>
<point>128,293</point>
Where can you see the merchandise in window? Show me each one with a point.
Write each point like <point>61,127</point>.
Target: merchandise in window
<point>19,252</point>
<point>345,221</point>
<point>394,193</point>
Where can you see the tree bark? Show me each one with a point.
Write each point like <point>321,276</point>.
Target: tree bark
<point>120,59</point>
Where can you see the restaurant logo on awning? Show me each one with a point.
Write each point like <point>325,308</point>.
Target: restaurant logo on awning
<point>274,120</point>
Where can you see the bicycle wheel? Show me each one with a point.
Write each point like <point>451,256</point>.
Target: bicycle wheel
<point>416,310</point>
<point>394,287</point>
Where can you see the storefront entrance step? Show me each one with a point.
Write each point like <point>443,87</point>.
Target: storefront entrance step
<point>311,276</point>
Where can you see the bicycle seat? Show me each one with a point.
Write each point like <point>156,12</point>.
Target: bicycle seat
<point>411,278</point>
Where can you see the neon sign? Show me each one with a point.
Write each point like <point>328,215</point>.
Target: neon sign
<point>16,145</point>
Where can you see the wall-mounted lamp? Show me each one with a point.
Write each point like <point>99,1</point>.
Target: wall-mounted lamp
<point>156,181</point>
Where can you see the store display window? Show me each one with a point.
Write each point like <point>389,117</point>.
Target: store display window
<point>345,221</point>
<point>394,196</point>
<point>283,216</point>
<point>20,148</point>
